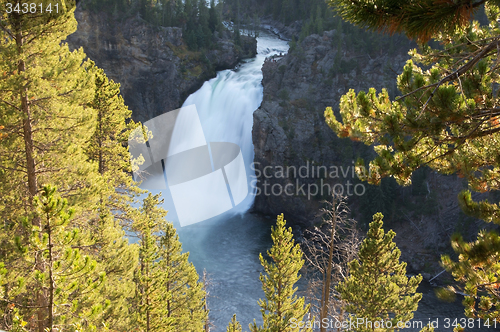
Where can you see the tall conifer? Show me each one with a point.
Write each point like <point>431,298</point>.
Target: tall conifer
<point>185,304</point>
<point>282,311</point>
<point>108,151</point>
<point>107,148</point>
<point>67,280</point>
<point>169,296</point>
<point>446,118</point>
<point>151,294</point>
<point>377,289</point>
<point>43,94</point>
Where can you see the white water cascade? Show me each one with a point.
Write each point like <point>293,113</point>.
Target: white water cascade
<point>227,245</point>
<point>225,107</point>
<point>226,104</point>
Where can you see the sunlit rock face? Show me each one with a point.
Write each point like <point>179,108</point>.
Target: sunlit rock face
<point>153,65</point>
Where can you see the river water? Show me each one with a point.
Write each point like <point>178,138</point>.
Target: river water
<point>228,246</point>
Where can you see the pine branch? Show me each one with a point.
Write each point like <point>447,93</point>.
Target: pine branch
<point>455,75</point>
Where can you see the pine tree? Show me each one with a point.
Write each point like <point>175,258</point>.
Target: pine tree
<point>44,92</point>
<point>43,95</point>
<point>478,270</point>
<point>319,20</point>
<point>107,149</point>
<point>185,304</point>
<point>418,19</point>
<point>234,325</point>
<point>447,114</point>
<point>68,278</point>
<point>118,260</point>
<point>203,32</point>
<point>214,19</point>
<point>377,288</point>
<point>150,290</point>
<point>169,296</point>
<point>286,11</point>
<point>282,311</point>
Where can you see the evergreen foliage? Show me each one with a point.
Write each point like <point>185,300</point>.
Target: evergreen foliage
<point>43,95</point>
<point>282,311</point>
<point>68,283</point>
<point>198,22</point>
<point>62,129</point>
<point>151,294</point>
<point>314,17</point>
<point>234,325</point>
<point>117,259</point>
<point>377,288</point>
<point>418,19</point>
<point>186,300</point>
<point>478,269</point>
<point>285,11</point>
<point>65,262</point>
<point>169,296</point>
<point>214,19</point>
<point>443,120</point>
<point>107,148</point>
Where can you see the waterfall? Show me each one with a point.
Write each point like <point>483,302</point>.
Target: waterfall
<point>221,111</point>
<point>226,104</point>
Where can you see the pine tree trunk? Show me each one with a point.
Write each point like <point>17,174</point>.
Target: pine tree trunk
<point>30,172</point>
<point>27,131</point>
<point>205,306</point>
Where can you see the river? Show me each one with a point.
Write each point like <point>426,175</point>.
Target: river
<point>228,246</point>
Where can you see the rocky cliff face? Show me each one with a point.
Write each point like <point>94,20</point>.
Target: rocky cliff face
<point>156,70</point>
<point>285,32</point>
<point>292,142</point>
<point>289,127</point>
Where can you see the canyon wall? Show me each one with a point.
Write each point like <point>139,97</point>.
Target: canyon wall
<point>156,70</point>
